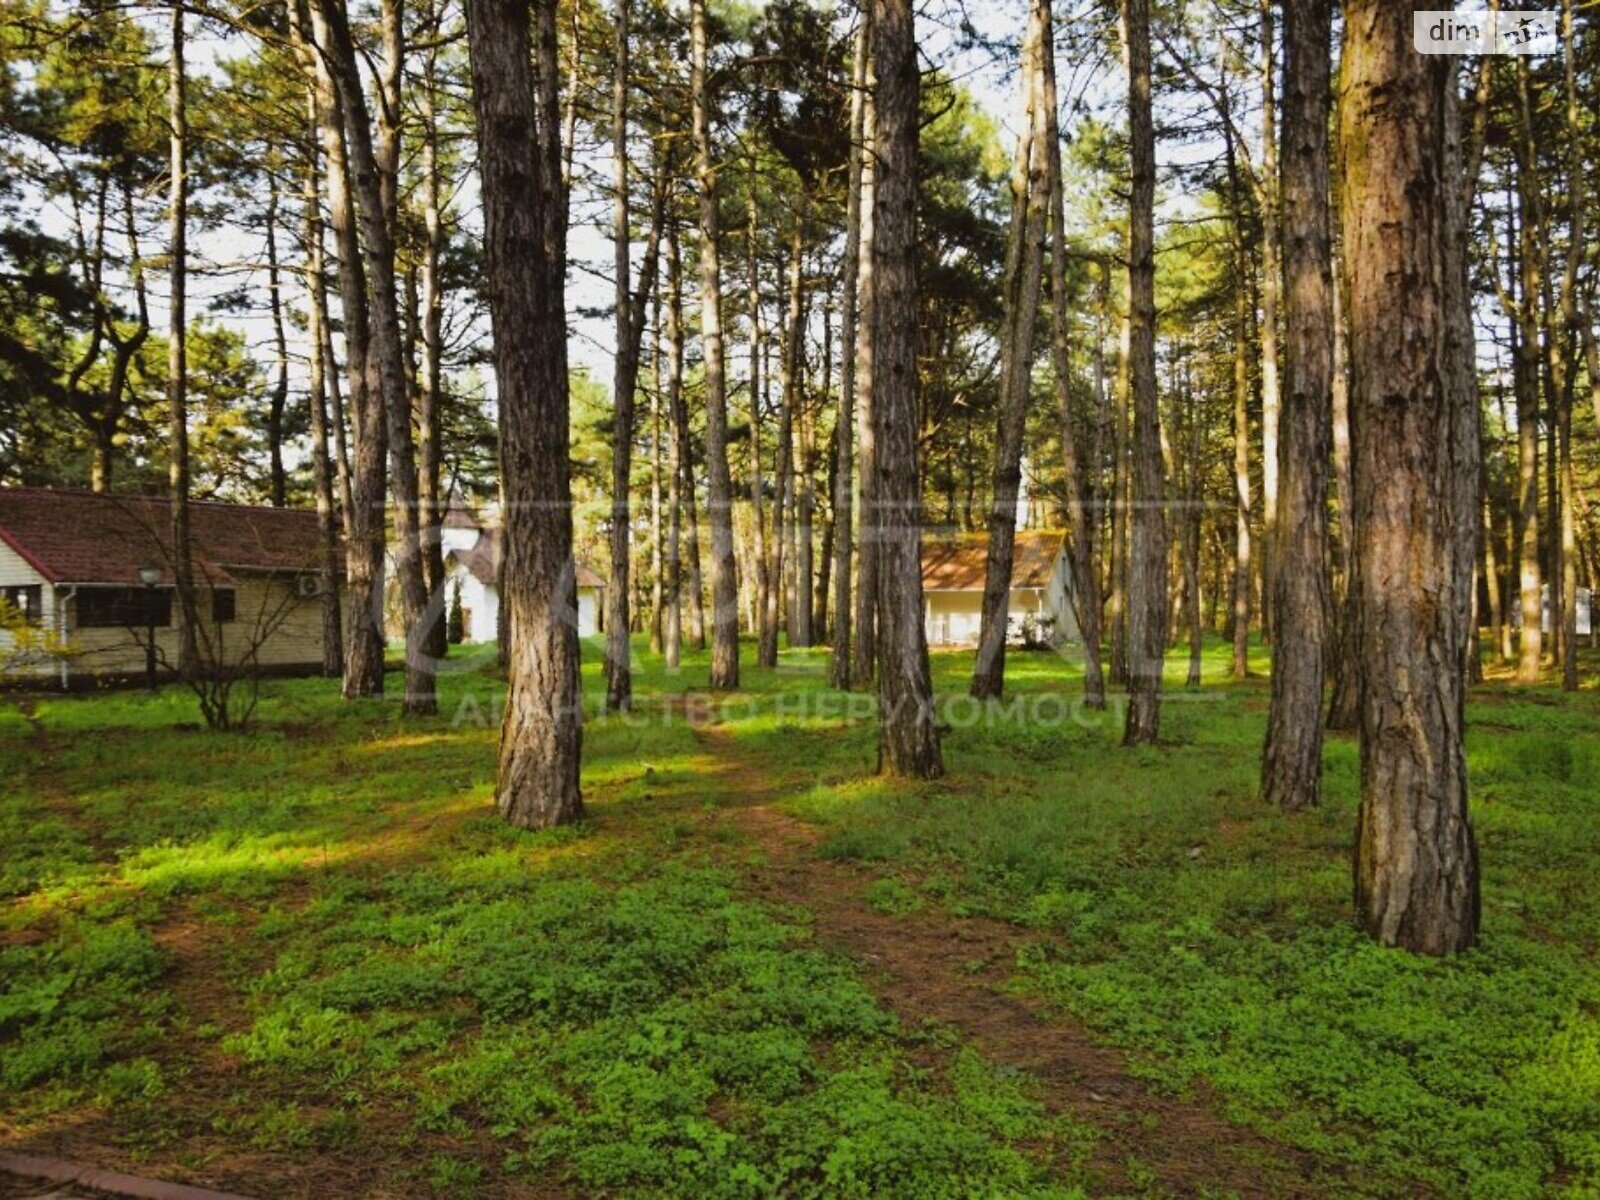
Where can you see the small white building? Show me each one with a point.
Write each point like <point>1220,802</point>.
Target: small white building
<point>472,550</point>
<point>1041,601</point>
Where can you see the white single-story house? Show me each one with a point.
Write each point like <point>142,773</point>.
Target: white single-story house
<point>472,551</point>
<point>1041,602</point>
<point>78,563</point>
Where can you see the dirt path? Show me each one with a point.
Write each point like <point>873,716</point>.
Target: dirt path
<point>928,965</point>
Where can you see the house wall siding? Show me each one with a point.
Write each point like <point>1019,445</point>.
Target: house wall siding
<point>288,626</point>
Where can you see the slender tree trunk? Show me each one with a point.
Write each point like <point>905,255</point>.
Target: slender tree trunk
<point>1271,290</point>
<point>1081,518</point>
<point>1291,764</point>
<point>177,354</point>
<point>1526,375</point>
<point>322,473</point>
<point>909,731</point>
<point>1242,561</point>
<point>541,737</point>
<point>1147,553</point>
<point>1416,875</point>
<point>1344,710</point>
<point>278,402</point>
<point>1117,604</point>
<point>619,672</point>
<point>803,615</point>
<point>430,390</point>
<point>724,587</point>
<point>373,169</point>
<point>761,563</point>
<point>844,473</point>
<point>865,634</point>
<point>672,625</point>
<point>789,388</point>
<point>658,534</point>
<point>1023,282</point>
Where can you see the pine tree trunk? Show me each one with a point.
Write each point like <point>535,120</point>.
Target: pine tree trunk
<point>1343,707</point>
<point>322,469</point>
<point>1081,516</point>
<point>1526,381</point>
<point>1023,282</point>
<point>677,456</point>
<point>372,165</point>
<point>844,424</point>
<point>278,401</point>
<point>430,397</point>
<point>865,635</point>
<point>618,666</point>
<point>1291,770</point>
<point>789,389</point>
<point>177,356</point>
<point>541,737</point>
<point>724,586</point>
<point>909,733</point>
<point>1147,551</point>
<point>1271,291</point>
<point>1416,873</point>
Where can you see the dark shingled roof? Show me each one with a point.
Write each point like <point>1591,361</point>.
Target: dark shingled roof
<point>958,564</point>
<point>83,537</point>
<point>483,560</point>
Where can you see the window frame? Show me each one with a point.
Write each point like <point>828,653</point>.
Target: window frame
<point>28,598</point>
<point>114,606</point>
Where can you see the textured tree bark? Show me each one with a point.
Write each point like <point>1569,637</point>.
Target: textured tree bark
<point>278,400</point>
<point>909,732</point>
<point>1023,284</point>
<point>1147,551</point>
<point>322,469</point>
<point>765,629</point>
<point>783,506</point>
<point>630,322</point>
<point>541,733</point>
<point>677,457</point>
<point>1243,565</point>
<point>178,352</point>
<point>844,474</point>
<point>658,531</point>
<point>1344,709</point>
<point>803,618</point>
<point>1416,873</point>
<point>1271,295</point>
<point>867,590</point>
<point>719,489</point>
<point>1081,515</point>
<point>618,666</point>
<point>368,474</point>
<point>374,169</point>
<point>1564,366</point>
<point>1117,560</point>
<point>430,382</point>
<point>1291,765</point>
<point>1530,655</point>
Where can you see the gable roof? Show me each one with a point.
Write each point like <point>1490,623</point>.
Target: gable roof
<point>71,536</point>
<point>958,564</point>
<point>482,559</point>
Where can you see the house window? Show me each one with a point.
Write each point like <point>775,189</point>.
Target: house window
<point>27,598</point>
<point>123,607</point>
<point>222,605</point>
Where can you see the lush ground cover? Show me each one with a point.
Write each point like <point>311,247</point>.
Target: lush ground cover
<point>313,955</point>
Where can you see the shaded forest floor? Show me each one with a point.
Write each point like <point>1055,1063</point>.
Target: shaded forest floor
<point>311,960</point>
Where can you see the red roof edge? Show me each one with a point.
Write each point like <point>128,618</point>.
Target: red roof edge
<point>22,552</point>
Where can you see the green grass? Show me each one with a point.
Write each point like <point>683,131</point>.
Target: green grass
<point>316,944</point>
